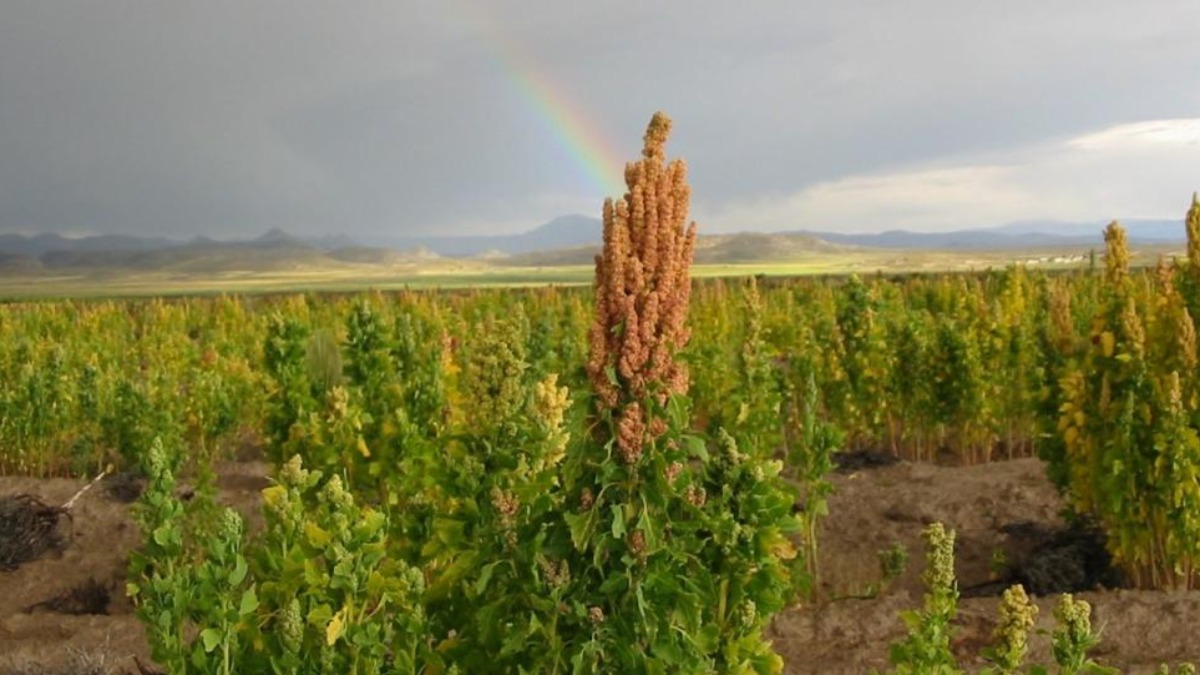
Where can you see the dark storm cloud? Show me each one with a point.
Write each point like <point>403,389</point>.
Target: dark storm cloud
<point>227,118</point>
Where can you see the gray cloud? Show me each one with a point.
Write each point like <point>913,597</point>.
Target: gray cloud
<point>227,118</point>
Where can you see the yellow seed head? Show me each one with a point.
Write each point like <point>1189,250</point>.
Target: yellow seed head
<point>1116,257</point>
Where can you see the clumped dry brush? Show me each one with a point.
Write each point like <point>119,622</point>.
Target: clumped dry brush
<point>29,528</point>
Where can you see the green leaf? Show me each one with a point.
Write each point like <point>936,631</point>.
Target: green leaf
<point>162,535</point>
<point>449,531</point>
<point>211,638</point>
<point>696,447</point>
<point>485,575</point>
<point>320,615</point>
<point>618,523</point>
<point>249,602</point>
<point>239,572</point>
<point>581,526</point>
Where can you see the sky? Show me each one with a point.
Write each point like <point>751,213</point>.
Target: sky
<point>227,118</point>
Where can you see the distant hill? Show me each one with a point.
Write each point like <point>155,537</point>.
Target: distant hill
<point>18,263</point>
<point>382,256</point>
<point>756,247</point>
<point>562,232</point>
<point>745,247</point>
<point>195,256</point>
<point>566,240</point>
<point>559,257</point>
<point>1137,229</point>
<point>1028,234</point>
<point>39,244</point>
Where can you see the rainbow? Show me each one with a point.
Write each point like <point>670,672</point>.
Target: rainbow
<point>574,132</point>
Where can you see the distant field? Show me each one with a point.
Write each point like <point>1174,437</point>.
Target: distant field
<point>443,274</point>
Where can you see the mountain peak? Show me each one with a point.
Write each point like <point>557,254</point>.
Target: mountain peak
<point>275,234</point>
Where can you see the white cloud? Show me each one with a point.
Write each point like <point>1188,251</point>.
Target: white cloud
<point>1142,170</point>
<point>1178,132</point>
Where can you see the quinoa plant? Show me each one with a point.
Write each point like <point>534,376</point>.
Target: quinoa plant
<point>495,585</point>
<point>926,650</point>
<point>758,397</point>
<point>678,545</point>
<point>1073,638</point>
<point>1017,616</point>
<point>331,437</point>
<point>865,361</point>
<point>810,446</point>
<point>192,592</point>
<point>1128,423</point>
<point>1059,344</point>
<point>332,599</point>
<point>909,384</point>
<point>1190,282</point>
<point>291,393</point>
<point>1182,669</point>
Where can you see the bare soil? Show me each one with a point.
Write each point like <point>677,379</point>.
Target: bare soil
<point>54,610</point>
<point>992,507</point>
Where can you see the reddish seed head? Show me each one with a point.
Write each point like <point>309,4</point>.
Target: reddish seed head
<point>643,286</point>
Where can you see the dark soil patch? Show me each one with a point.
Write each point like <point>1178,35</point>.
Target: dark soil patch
<point>1068,559</point>
<point>90,597</point>
<point>850,461</point>
<point>124,487</point>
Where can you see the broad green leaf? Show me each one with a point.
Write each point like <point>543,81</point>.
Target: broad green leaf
<point>239,572</point>
<point>249,602</point>
<point>580,525</point>
<point>211,638</point>
<point>485,575</point>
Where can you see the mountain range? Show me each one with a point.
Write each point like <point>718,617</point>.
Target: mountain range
<point>566,240</point>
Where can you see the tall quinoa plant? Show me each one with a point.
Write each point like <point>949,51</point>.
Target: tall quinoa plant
<point>680,554</point>
<point>1126,421</point>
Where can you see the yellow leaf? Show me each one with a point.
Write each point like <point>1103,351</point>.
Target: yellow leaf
<point>362,447</point>
<point>316,536</point>
<point>336,627</point>
<point>782,548</point>
<point>274,496</point>
<point>1070,435</point>
<point>1108,343</point>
